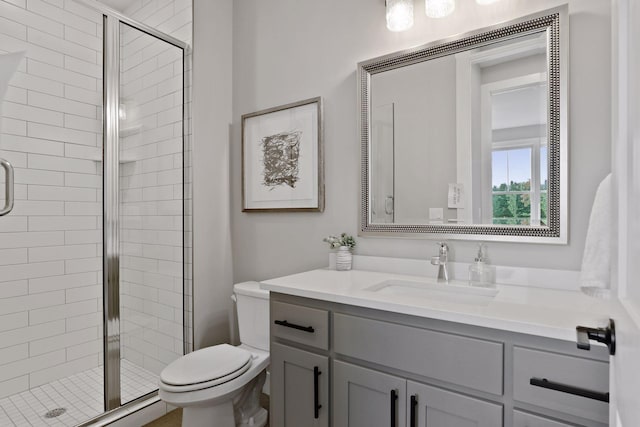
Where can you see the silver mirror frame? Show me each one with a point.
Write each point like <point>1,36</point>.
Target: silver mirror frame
<point>555,22</point>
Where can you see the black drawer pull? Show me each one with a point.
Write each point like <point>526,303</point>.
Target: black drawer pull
<point>294,326</point>
<point>394,399</point>
<point>412,411</point>
<point>316,392</point>
<point>582,392</point>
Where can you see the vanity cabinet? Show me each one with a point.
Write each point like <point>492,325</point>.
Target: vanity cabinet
<point>367,398</point>
<point>300,380</point>
<point>380,368</point>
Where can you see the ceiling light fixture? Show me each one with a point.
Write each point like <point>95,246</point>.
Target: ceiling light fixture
<point>399,14</point>
<point>439,8</point>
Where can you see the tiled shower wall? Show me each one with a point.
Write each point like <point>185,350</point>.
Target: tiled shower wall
<point>152,186</point>
<point>50,245</point>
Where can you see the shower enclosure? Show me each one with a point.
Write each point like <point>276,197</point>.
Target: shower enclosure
<point>94,254</point>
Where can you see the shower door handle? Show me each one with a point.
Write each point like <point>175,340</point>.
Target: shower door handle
<point>8,203</point>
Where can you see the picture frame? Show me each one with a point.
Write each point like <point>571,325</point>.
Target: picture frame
<point>282,158</point>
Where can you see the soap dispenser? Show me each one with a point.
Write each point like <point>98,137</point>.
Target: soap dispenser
<point>480,272</point>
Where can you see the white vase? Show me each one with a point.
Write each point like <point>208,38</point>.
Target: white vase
<point>344,259</point>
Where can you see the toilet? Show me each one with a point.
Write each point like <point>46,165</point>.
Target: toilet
<point>221,385</point>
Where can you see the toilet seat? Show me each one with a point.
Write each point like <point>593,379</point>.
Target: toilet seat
<point>206,368</point>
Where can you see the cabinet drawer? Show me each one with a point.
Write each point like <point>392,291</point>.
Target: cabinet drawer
<point>304,325</point>
<point>456,359</point>
<point>537,376</point>
<point>522,419</point>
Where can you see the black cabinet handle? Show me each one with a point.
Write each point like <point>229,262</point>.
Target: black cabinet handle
<point>577,391</point>
<point>394,399</point>
<point>294,326</point>
<point>412,411</point>
<point>316,392</point>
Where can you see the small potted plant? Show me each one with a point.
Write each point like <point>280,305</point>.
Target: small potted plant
<point>344,243</point>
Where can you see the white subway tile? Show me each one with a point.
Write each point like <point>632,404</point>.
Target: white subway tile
<point>56,103</point>
<point>83,123</point>
<point>84,349</point>
<point>87,180</point>
<point>38,192</point>
<point>39,84</point>
<point>57,312</point>
<point>32,114</point>
<point>56,133</point>
<point>83,39</point>
<point>11,354</point>
<point>18,14</point>
<point>13,29</point>
<point>67,281</point>
<point>44,376</point>
<point>83,265</point>
<point>31,239</point>
<point>12,223</point>
<point>59,74</point>
<point>80,237</point>
<point>52,253</point>
<point>84,293</point>
<point>88,96</point>
<point>84,208</point>
<point>13,386</point>
<point>16,94</point>
<point>81,66</point>
<point>12,256</point>
<point>14,321</point>
<point>32,270</point>
<point>30,333</point>
<point>29,207</point>
<point>12,289</point>
<point>13,126</point>
<point>36,176</point>
<point>31,145</point>
<point>76,8</point>
<point>34,52</point>
<point>84,321</point>
<point>67,222</point>
<point>62,164</point>
<point>57,342</point>
<point>62,16</point>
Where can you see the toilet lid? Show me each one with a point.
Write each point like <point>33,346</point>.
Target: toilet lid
<point>205,365</point>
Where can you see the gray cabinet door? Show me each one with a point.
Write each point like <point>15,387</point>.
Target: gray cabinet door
<point>432,406</point>
<point>299,388</point>
<point>366,398</point>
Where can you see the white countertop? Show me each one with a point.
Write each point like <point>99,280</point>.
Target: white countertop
<point>524,309</point>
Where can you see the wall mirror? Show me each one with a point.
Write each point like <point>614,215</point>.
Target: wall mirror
<point>466,138</point>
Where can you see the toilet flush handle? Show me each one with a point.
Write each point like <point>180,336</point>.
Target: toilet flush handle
<point>233,298</point>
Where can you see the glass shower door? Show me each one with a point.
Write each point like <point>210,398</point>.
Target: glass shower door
<point>151,209</point>
<point>51,318</point>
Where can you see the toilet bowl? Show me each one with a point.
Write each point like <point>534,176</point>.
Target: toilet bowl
<point>221,385</point>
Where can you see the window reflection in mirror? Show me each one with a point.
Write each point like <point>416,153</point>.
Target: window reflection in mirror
<point>462,139</point>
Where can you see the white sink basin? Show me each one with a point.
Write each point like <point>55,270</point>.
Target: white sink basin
<point>460,293</point>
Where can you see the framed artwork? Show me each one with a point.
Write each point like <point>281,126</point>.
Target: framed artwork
<point>282,164</point>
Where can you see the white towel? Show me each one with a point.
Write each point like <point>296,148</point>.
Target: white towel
<point>595,275</point>
<point>8,65</point>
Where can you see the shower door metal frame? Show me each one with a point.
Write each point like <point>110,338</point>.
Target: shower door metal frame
<point>111,200</point>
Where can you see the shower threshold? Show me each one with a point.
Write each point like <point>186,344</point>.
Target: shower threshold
<point>72,400</point>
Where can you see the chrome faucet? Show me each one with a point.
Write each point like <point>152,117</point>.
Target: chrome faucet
<point>441,262</point>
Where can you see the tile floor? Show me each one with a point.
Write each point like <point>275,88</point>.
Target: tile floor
<point>79,394</point>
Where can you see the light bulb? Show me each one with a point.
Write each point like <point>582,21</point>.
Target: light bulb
<point>399,15</point>
<point>485,2</point>
<point>439,8</point>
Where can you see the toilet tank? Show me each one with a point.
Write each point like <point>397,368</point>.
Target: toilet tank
<point>252,304</point>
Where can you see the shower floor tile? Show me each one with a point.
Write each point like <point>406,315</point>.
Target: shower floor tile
<point>79,394</point>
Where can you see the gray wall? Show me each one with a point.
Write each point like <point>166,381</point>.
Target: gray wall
<point>285,51</point>
<point>212,100</point>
